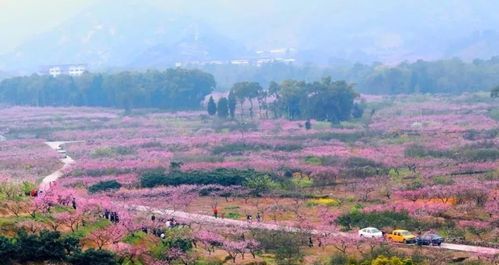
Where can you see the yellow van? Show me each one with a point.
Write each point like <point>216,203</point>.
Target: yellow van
<point>402,236</point>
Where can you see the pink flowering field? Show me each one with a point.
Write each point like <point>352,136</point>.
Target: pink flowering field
<point>434,159</point>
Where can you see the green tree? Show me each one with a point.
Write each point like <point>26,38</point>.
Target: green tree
<point>232,103</point>
<point>223,108</point>
<point>212,107</point>
<point>273,92</point>
<point>246,91</point>
<point>260,184</point>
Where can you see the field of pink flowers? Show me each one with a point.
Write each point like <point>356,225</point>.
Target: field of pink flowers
<point>435,159</point>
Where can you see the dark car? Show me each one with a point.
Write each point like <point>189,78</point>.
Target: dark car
<point>429,239</point>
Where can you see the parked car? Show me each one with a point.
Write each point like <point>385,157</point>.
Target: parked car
<point>429,239</point>
<point>370,232</point>
<point>402,236</point>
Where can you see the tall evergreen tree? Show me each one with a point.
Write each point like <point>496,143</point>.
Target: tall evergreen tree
<point>212,107</point>
<point>223,108</point>
<point>232,103</point>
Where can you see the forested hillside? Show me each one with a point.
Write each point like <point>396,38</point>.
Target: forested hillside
<point>443,76</point>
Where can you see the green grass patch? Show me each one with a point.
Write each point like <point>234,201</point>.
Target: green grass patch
<point>135,238</point>
<point>85,230</point>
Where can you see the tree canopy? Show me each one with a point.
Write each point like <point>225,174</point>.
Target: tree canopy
<point>174,89</point>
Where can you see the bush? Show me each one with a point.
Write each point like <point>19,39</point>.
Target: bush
<point>112,151</point>
<point>45,246</point>
<point>382,260</point>
<point>220,176</point>
<point>94,257</point>
<point>240,147</point>
<point>483,152</point>
<point>421,151</point>
<point>338,259</point>
<point>260,184</point>
<point>327,136</point>
<point>7,249</point>
<point>285,246</point>
<point>363,172</point>
<point>442,180</point>
<point>376,219</point>
<point>494,114</point>
<point>354,162</point>
<point>104,186</point>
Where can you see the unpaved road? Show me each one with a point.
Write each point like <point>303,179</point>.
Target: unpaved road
<point>206,219</point>
<point>67,161</point>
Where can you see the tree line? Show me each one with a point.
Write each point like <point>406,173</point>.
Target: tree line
<point>324,100</point>
<point>440,76</point>
<point>173,89</point>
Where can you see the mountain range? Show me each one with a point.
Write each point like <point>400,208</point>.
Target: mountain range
<point>154,34</point>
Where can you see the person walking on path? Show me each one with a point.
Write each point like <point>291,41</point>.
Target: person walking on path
<point>310,242</point>
<point>215,212</point>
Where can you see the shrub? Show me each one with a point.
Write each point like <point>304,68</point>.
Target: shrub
<point>285,246</point>
<point>376,219</point>
<point>313,160</point>
<point>7,249</point>
<point>484,152</point>
<point>41,247</point>
<point>382,260</point>
<point>260,184</point>
<point>240,147</point>
<point>220,176</point>
<point>94,257</point>
<point>442,180</point>
<point>339,259</point>
<point>104,186</point>
<point>112,151</point>
<point>354,162</point>
<point>494,114</point>
<point>363,172</point>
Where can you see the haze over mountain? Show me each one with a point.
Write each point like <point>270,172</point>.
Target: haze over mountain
<point>143,34</point>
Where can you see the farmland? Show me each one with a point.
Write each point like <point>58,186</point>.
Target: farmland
<point>420,162</point>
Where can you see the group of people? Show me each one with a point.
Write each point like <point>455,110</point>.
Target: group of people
<point>111,216</point>
<point>159,231</point>
<point>249,218</point>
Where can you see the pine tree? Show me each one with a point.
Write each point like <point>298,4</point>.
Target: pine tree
<point>232,102</point>
<point>212,107</point>
<point>223,108</point>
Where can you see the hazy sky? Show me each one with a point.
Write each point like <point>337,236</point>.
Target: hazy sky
<point>21,19</point>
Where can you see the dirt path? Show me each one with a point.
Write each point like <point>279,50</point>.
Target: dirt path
<point>67,161</point>
<point>206,219</point>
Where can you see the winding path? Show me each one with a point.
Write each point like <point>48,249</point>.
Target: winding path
<point>206,219</point>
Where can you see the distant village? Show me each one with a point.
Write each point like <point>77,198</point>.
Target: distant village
<point>261,57</point>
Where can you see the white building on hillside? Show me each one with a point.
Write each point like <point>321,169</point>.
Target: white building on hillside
<point>64,69</point>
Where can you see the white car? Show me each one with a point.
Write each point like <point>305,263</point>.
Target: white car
<point>370,232</point>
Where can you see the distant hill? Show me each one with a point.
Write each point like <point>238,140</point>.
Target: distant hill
<point>199,43</point>
<point>141,34</point>
<point>111,35</point>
